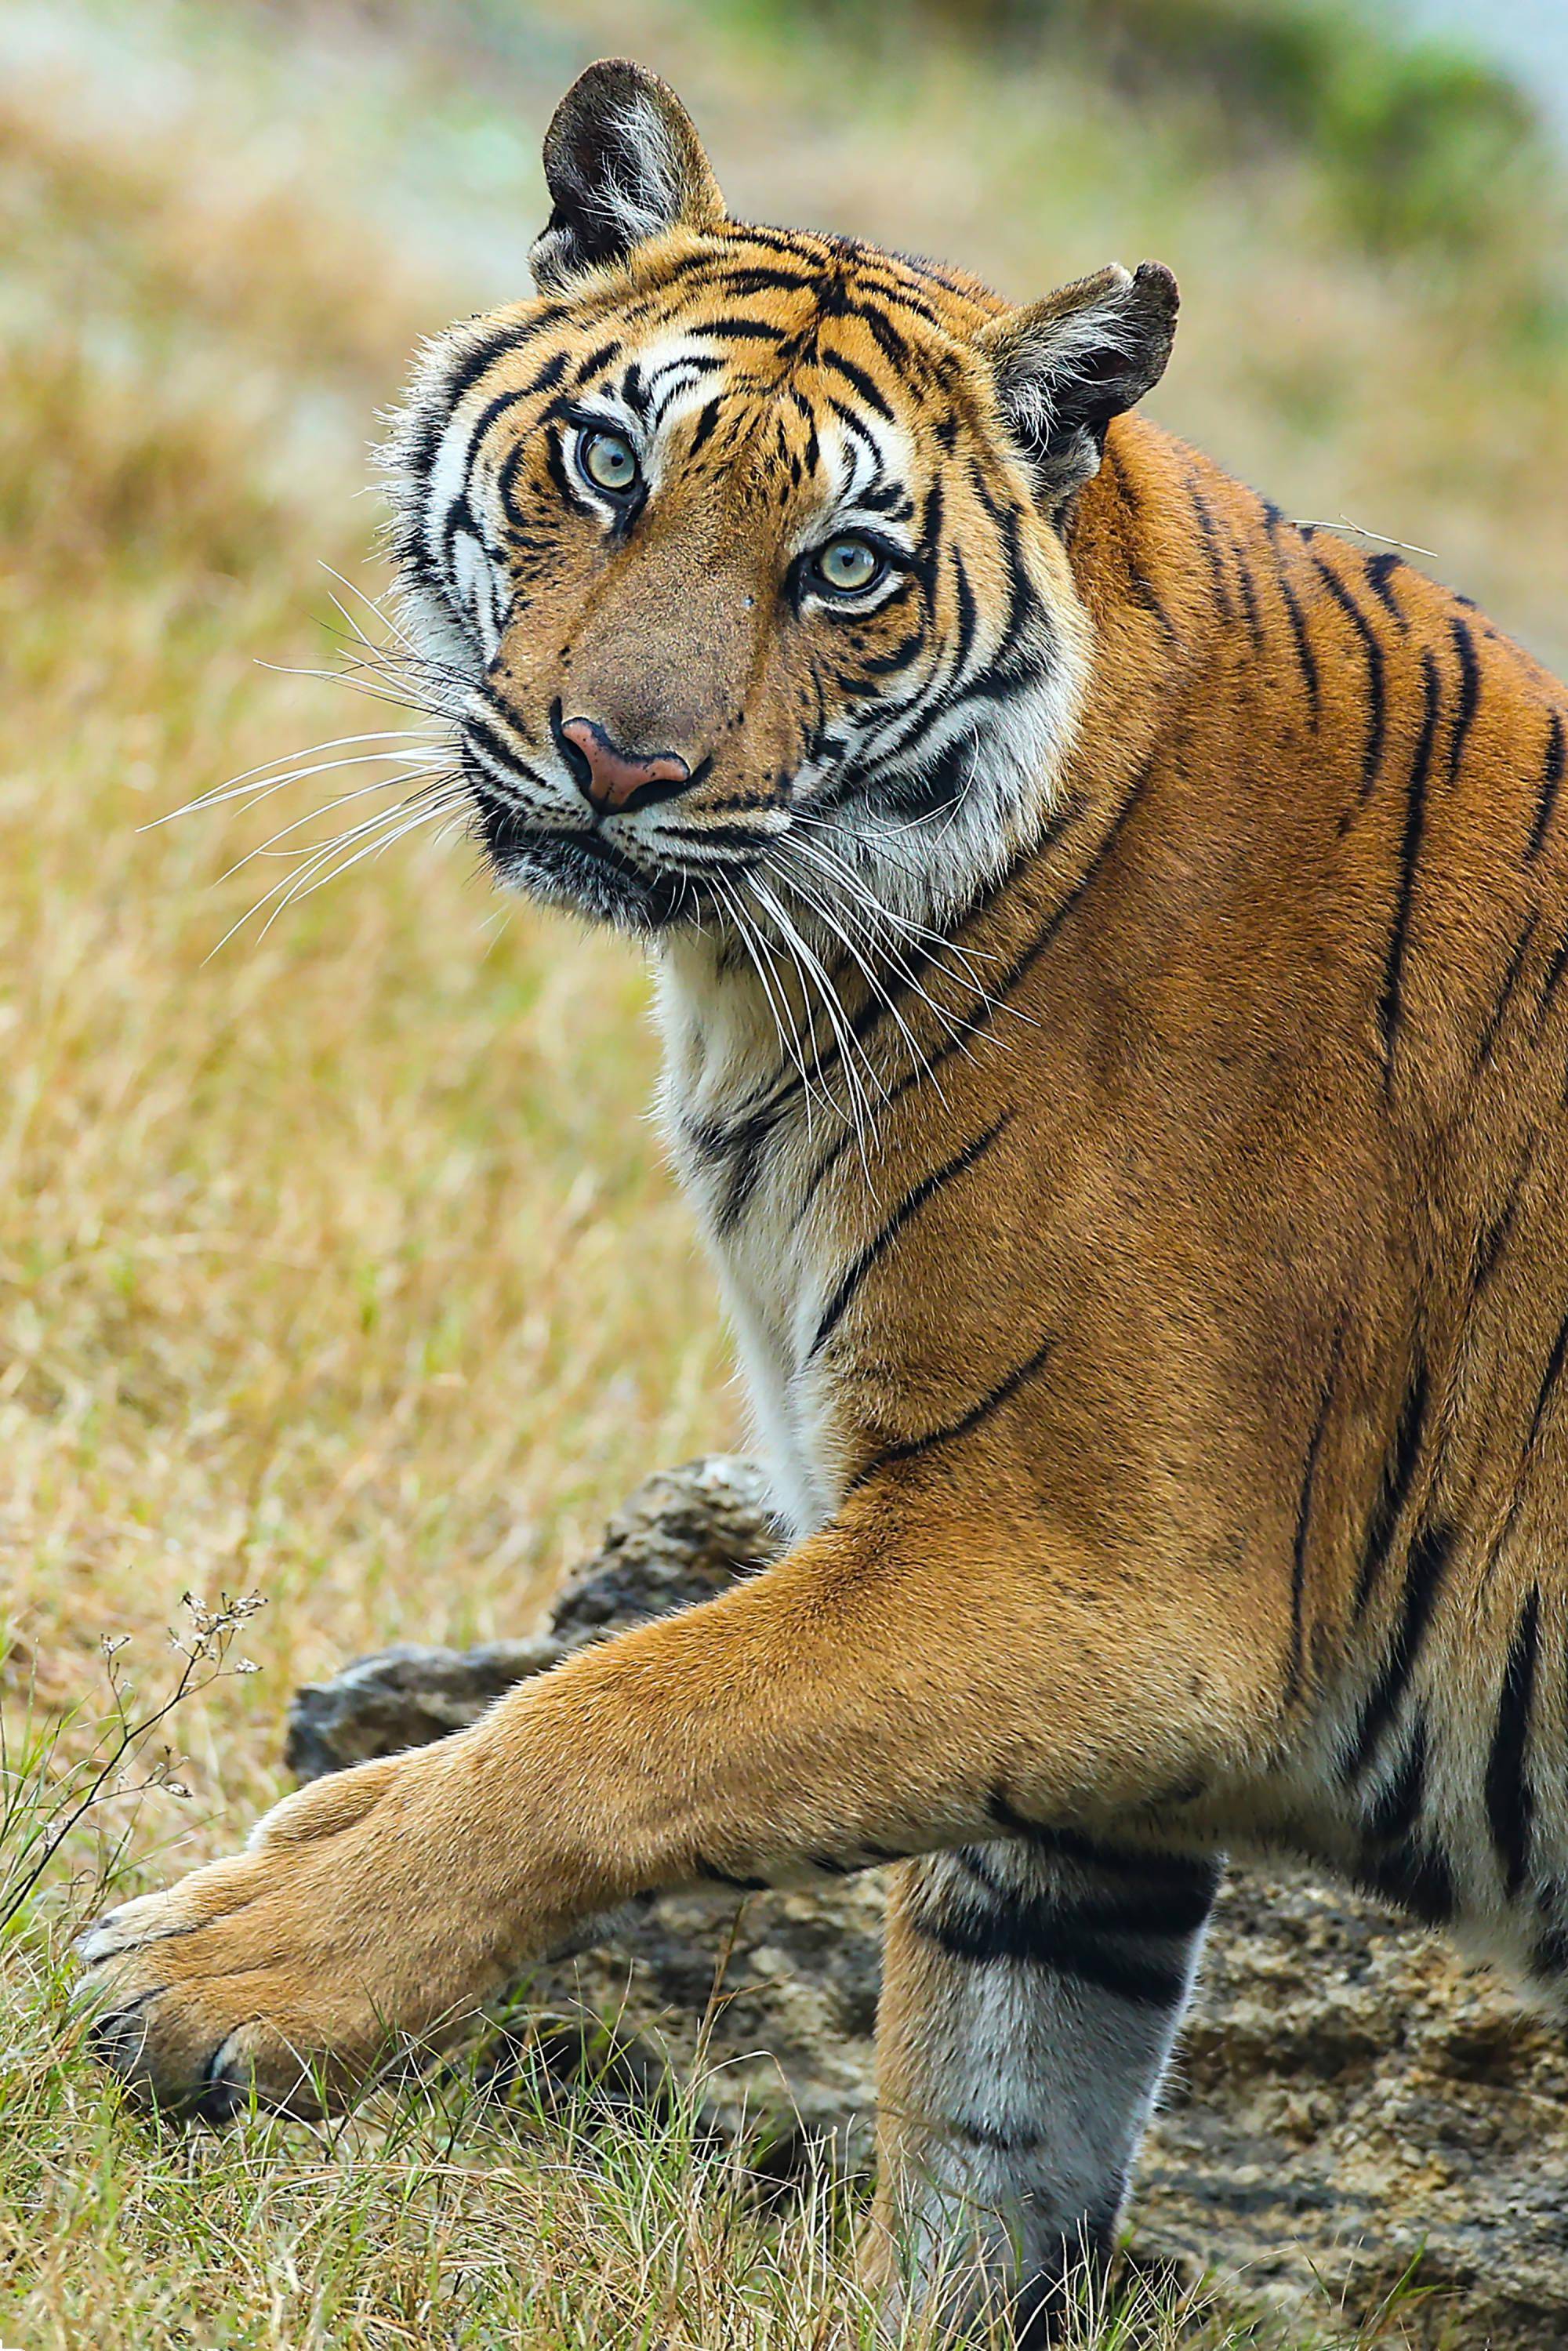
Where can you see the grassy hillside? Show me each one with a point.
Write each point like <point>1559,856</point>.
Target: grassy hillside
<point>339,1265</point>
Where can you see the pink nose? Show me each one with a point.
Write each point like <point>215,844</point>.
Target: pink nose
<point>610,780</point>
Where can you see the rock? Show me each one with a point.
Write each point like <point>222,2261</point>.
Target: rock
<point>683,1536</point>
<point>1347,2101</point>
<point>1350,2102</point>
<point>402,1698</point>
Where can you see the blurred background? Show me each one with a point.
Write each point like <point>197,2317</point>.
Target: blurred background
<point>339,1263</point>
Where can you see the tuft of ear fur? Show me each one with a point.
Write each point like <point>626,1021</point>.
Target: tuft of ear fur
<point>622,162</point>
<point>1064,367</point>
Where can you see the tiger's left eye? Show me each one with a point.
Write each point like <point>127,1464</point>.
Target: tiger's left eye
<point>850,566</point>
<point>608,461</point>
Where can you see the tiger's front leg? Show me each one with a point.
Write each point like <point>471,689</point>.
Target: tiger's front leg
<point>819,1716</point>
<point>1031,1991</point>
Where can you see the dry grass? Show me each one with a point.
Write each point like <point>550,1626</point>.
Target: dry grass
<point>341,1266</point>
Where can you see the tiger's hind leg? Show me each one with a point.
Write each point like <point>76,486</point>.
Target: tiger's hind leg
<point>1031,1993</point>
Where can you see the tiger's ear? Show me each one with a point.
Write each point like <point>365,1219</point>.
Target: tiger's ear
<point>623,162</point>
<point>1064,367</point>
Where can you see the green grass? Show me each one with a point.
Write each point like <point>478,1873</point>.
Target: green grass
<point>341,1267</point>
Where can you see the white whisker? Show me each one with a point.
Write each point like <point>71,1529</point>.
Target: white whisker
<point>386,823</point>
<point>783,1018</point>
<point>344,677</point>
<point>387,620</point>
<point>437,771</point>
<point>806,960</point>
<point>257,782</point>
<point>964,956</point>
<point>833,924</point>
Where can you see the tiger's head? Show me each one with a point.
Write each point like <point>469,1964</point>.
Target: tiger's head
<point>738,551</point>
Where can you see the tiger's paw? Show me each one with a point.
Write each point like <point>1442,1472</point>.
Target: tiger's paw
<point>347,1936</point>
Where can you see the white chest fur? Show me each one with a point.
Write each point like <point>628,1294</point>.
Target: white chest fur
<point>724,1064</point>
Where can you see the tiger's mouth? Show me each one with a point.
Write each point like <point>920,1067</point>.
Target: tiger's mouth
<point>586,873</point>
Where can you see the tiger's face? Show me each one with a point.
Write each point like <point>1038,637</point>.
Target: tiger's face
<point>739,549</point>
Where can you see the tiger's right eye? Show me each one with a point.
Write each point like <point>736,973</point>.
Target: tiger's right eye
<point>606,461</point>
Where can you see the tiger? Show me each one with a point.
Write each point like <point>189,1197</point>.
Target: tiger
<point>1109,943</point>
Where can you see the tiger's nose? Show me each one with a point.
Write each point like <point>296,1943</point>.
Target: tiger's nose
<point>612,781</point>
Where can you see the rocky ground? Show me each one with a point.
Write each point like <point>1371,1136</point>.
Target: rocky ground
<point>1348,2101</point>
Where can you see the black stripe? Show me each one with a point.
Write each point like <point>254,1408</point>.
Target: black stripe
<point>1549,1379</point>
<point>740,330</point>
<point>1510,1804</point>
<point>1304,1521</point>
<point>895,348</point>
<point>858,379</point>
<point>1176,1872</point>
<point>707,417</point>
<point>1306,660</point>
<point>1550,779</point>
<point>479,730</point>
<point>1033,1934</point>
<point>1492,1240</point>
<point>853,423</point>
<point>594,361</point>
<point>1396,1808</point>
<point>1157,1902</point>
<point>1429,1556</point>
<point>1129,508</point>
<point>1391,1002</point>
<point>1211,550</point>
<point>748,1140</point>
<point>459,383</point>
<point>707,1873</point>
<point>1248,597</point>
<point>963,637</point>
<point>1394,1489</point>
<point>1549,986</point>
<point>897,657</point>
<point>738,279</point>
<point>1376,714</point>
<point>1008,521</point>
<point>1469,690</point>
<point>555,464</point>
<point>910,1206</point>
<point>1380,570</point>
<point>995,2140</point>
<point>1171,1895</point>
<point>1505,994</point>
<point>909,1447</point>
<point>738,838</point>
<point>1551,1951</point>
<point>544,380</point>
<point>1414,1875</point>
